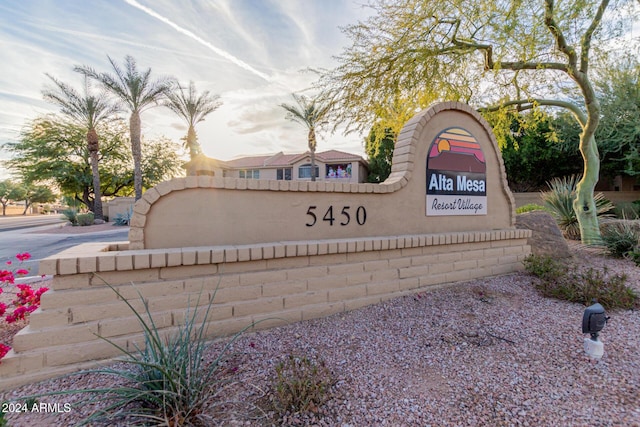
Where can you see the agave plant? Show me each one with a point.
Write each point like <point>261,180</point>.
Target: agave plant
<point>173,380</point>
<point>169,381</point>
<point>559,201</point>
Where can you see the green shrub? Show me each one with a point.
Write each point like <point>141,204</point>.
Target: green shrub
<point>559,202</point>
<point>562,282</point>
<point>301,385</point>
<point>529,208</point>
<point>544,267</point>
<point>609,290</point>
<point>620,238</point>
<point>85,219</point>
<point>71,215</point>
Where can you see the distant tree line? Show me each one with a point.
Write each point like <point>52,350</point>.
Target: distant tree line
<point>89,151</point>
<point>11,191</point>
<point>505,57</point>
<point>537,146</point>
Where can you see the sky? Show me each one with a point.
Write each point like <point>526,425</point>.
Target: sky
<point>252,53</point>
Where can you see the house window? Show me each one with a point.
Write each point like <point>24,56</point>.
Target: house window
<point>250,173</point>
<point>284,174</point>
<point>304,171</point>
<point>339,170</point>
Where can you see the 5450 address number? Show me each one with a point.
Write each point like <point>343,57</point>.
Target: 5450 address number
<point>344,216</point>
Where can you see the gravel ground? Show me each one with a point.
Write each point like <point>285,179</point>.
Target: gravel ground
<point>489,352</point>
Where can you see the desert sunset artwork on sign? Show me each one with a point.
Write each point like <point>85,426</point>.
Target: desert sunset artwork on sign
<point>456,175</point>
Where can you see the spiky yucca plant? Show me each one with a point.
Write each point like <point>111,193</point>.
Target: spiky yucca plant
<point>173,380</point>
<point>559,201</point>
<point>621,238</point>
<point>169,381</point>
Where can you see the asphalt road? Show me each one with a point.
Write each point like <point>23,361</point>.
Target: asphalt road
<point>22,236</point>
<point>8,223</point>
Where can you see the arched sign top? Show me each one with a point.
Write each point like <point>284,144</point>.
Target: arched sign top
<point>449,145</point>
<point>456,174</point>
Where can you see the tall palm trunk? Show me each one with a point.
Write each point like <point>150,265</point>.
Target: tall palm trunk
<point>192,142</point>
<point>312,151</point>
<point>94,147</point>
<point>136,151</point>
<point>312,114</point>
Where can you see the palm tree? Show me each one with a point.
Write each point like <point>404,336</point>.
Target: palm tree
<point>313,114</point>
<point>136,90</point>
<point>88,110</point>
<point>193,109</point>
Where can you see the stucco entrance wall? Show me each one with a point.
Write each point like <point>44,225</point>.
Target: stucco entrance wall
<point>269,283</point>
<point>205,210</point>
<point>277,271</point>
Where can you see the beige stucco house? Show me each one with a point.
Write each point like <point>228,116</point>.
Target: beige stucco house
<point>332,165</point>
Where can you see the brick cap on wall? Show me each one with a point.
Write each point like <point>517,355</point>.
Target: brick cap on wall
<point>101,257</point>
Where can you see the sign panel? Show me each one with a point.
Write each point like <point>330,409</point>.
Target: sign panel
<point>456,175</point>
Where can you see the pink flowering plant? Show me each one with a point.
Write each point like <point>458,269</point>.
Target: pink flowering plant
<point>26,300</point>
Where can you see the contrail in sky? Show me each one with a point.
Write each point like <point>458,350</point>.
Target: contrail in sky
<point>200,40</point>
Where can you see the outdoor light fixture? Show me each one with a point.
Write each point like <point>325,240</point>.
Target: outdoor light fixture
<point>593,322</point>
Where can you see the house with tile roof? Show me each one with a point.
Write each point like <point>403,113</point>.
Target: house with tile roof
<point>331,165</point>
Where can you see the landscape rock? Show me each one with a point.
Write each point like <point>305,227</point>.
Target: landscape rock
<point>98,221</point>
<point>546,238</point>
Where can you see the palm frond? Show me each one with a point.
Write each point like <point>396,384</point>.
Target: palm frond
<point>127,83</point>
<point>310,112</point>
<point>190,106</point>
<point>87,109</point>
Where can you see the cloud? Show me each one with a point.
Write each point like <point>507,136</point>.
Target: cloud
<point>200,40</point>
<point>258,109</point>
<point>249,52</point>
<point>122,41</point>
<point>256,120</point>
<point>235,25</point>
